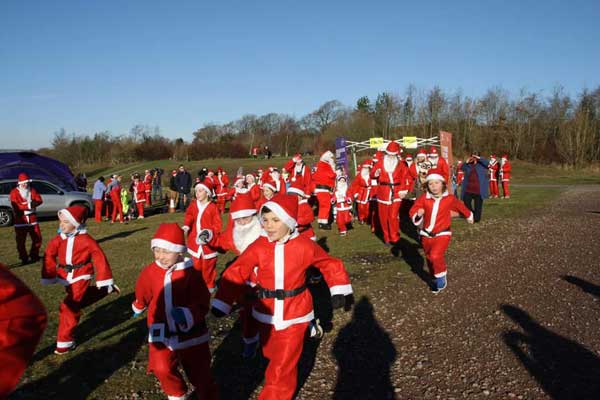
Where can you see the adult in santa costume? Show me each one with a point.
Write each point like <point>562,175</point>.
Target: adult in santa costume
<point>115,197</point>
<point>504,175</point>
<point>493,172</point>
<point>202,223</point>
<point>324,183</point>
<point>342,202</point>
<point>138,188</point>
<point>176,298</point>
<point>24,200</point>
<point>148,187</point>
<point>391,174</point>
<point>439,163</point>
<point>306,215</point>
<point>279,261</point>
<point>299,171</point>
<point>276,179</point>
<point>242,230</point>
<point>360,191</point>
<point>71,259</point>
<point>432,214</point>
<point>22,322</point>
<point>221,189</point>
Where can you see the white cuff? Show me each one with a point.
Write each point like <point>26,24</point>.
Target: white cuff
<point>106,282</point>
<point>137,310</point>
<point>417,220</point>
<point>221,306</point>
<point>341,289</point>
<point>471,218</point>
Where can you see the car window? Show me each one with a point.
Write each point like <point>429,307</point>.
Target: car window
<point>6,187</point>
<point>44,188</point>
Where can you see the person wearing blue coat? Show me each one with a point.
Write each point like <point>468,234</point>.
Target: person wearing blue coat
<point>475,186</point>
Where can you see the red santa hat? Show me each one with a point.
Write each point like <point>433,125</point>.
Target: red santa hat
<point>433,152</point>
<point>251,176</point>
<point>327,156</point>
<point>242,206</point>
<point>206,184</point>
<point>75,214</point>
<point>220,169</point>
<point>393,148</point>
<point>285,206</point>
<point>408,157</point>
<point>259,170</point>
<point>459,162</point>
<point>492,156</point>
<point>169,236</point>
<point>270,183</point>
<point>505,156</point>
<point>23,178</point>
<point>297,157</point>
<point>297,187</point>
<point>434,174</point>
<point>377,156</point>
<point>367,164</point>
<point>174,172</point>
<point>421,152</point>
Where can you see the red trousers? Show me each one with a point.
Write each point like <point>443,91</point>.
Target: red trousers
<point>195,360</point>
<point>324,200</point>
<point>221,203</point>
<point>390,221</point>
<point>283,349</point>
<point>373,215</point>
<point>107,208</point>
<point>435,248</point>
<point>493,188</point>
<point>505,189</point>
<point>140,209</point>
<point>79,295</point>
<point>36,240</point>
<point>363,211</point>
<point>117,209</point>
<point>343,218</point>
<point>208,269</point>
<point>98,204</point>
<point>148,197</point>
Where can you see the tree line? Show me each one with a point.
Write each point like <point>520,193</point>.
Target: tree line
<point>554,128</point>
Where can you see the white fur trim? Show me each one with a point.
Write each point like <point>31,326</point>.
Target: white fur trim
<point>341,289</point>
<point>243,213</point>
<point>64,345</point>
<point>165,244</point>
<point>471,218</point>
<point>69,216</point>
<point>221,306</point>
<point>281,213</point>
<point>417,220</point>
<point>296,191</point>
<point>184,397</point>
<point>441,274</point>
<point>203,187</point>
<point>268,185</point>
<point>281,324</point>
<point>438,177</point>
<point>104,283</point>
<point>137,310</point>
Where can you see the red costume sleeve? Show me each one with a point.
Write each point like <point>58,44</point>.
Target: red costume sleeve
<point>412,213</point>
<point>143,292</point>
<point>190,215</point>
<point>333,271</point>
<point>460,207</point>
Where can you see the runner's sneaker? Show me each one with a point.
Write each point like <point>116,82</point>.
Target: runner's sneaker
<point>439,284</point>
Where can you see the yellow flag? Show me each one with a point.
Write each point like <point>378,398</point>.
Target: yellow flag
<point>375,142</point>
<point>409,142</point>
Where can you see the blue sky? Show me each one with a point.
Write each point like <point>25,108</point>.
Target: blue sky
<point>89,66</point>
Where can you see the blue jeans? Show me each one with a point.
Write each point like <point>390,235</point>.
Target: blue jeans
<point>156,192</point>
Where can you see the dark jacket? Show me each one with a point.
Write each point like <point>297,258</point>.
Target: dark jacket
<point>183,181</point>
<point>481,168</point>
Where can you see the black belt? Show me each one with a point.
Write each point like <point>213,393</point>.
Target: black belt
<point>324,187</point>
<point>432,235</point>
<point>70,267</point>
<point>278,294</point>
<point>390,184</point>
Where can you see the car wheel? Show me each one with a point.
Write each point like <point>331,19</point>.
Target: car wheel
<point>6,217</point>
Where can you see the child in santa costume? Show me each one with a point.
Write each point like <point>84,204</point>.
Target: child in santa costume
<point>176,298</point>
<point>24,200</point>
<point>22,322</point>
<point>343,205</point>
<point>242,230</point>
<point>276,179</point>
<point>324,182</point>
<point>278,261</point>
<point>252,187</point>
<point>306,215</point>
<point>391,173</point>
<point>504,174</point>
<point>299,171</point>
<point>269,189</point>
<point>221,189</point>
<point>439,163</point>
<point>361,189</point>
<point>115,197</point>
<point>71,259</point>
<point>432,212</point>
<point>202,223</point>
<point>493,173</point>
<point>138,188</point>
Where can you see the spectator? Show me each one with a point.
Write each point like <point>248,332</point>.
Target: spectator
<point>183,182</point>
<point>98,197</point>
<point>173,194</point>
<point>156,184</point>
<point>476,184</point>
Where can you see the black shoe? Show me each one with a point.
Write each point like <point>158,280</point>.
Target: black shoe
<point>326,227</point>
<point>35,259</point>
<point>24,261</point>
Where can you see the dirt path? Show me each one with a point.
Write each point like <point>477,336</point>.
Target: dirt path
<point>520,319</point>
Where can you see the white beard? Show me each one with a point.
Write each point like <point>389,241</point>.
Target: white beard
<point>390,163</point>
<point>275,176</point>
<point>434,161</point>
<point>409,163</point>
<point>342,187</point>
<point>364,173</point>
<point>25,193</point>
<point>245,235</point>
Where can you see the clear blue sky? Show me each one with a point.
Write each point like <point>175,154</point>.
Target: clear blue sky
<point>89,66</point>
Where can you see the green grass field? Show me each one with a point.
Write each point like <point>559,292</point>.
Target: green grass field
<point>111,358</point>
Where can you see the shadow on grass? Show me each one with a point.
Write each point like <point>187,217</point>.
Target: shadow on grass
<point>120,235</point>
<point>564,368</point>
<point>584,285</point>
<point>81,373</point>
<point>365,353</point>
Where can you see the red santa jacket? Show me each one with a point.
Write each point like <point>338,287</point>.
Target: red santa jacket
<point>323,180</point>
<point>361,189</point>
<point>148,183</point>
<point>254,191</point>
<point>281,265</point>
<point>139,190</point>
<point>302,173</point>
<point>222,182</point>
<point>198,217</point>
<point>79,250</point>
<point>460,175</point>
<point>24,207</point>
<point>161,290</point>
<point>505,169</point>
<point>390,185</point>
<point>493,170</point>
<point>305,218</point>
<point>22,322</point>
<point>341,200</point>
<point>437,217</point>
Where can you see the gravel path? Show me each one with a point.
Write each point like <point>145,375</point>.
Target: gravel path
<point>520,318</point>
